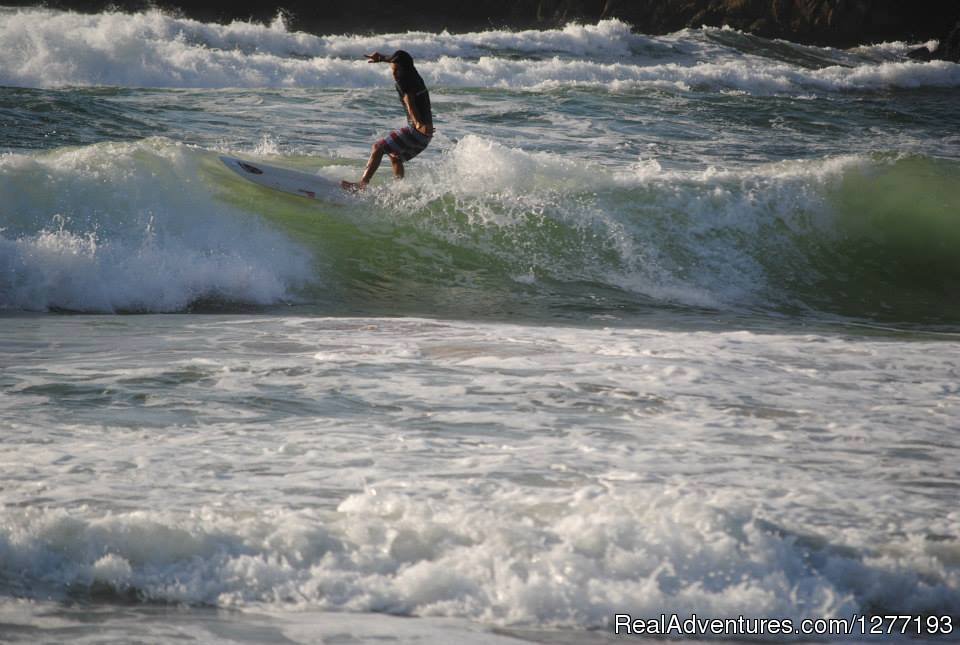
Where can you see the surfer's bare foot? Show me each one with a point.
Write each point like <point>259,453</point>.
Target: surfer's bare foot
<point>353,186</point>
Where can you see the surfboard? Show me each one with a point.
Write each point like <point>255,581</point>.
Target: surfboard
<point>285,180</point>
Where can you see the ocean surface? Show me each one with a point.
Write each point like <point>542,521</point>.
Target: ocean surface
<point>656,325</point>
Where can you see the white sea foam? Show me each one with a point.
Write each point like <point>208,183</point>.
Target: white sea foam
<point>131,227</point>
<point>568,501</point>
<point>893,50</point>
<point>573,559</point>
<point>44,48</point>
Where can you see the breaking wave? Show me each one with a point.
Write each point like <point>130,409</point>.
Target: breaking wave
<point>46,48</point>
<point>159,226</point>
<point>129,227</point>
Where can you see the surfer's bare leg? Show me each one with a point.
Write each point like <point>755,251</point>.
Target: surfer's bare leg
<point>376,156</point>
<point>397,167</point>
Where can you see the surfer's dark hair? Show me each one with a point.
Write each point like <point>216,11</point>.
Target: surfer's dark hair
<point>402,59</point>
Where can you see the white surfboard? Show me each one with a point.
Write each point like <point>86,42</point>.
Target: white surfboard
<point>285,180</point>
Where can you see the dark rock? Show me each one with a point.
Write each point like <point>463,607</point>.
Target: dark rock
<point>948,49</point>
<point>761,27</point>
<point>920,53</point>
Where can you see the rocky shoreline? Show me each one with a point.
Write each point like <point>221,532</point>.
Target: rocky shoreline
<point>838,23</point>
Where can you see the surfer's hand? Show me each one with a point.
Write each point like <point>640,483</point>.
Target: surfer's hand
<point>375,57</point>
<point>425,129</point>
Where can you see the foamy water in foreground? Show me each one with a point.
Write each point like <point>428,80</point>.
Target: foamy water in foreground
<point>508,474</point>
<point>656,325</point>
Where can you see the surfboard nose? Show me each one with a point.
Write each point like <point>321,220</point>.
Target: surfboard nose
<point>287,180</point>
<point>249,168</point>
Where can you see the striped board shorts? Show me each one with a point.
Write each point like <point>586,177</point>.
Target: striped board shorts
<point>405,143</point>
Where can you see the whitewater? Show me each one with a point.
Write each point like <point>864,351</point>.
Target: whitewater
<point>656,325</point>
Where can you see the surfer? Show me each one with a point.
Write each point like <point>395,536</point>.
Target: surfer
<point>407,142</point>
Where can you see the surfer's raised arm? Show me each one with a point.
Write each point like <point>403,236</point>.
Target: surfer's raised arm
<point>406,143</point>
<point>424,125</point>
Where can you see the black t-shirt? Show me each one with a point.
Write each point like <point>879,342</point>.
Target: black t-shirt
<point>409,82</point>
